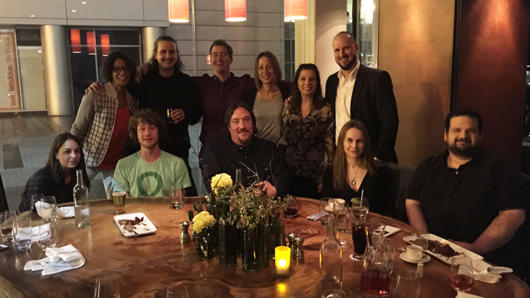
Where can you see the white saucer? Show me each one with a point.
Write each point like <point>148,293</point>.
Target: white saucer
<point>425,259</point>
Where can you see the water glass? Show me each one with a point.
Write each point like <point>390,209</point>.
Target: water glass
<point>176,197</point>
<point>22,233</point>
<point>48,208</point>
<point>461,277</point>
<point>408,284</point>
<point>6,224</point>
<point>360,208</point>
<point>322,204</point>
<point>291,210</point>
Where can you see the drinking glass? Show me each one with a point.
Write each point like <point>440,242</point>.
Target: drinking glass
<point>462,277</point>
<point>118,199</point>
<point>46,235</point>
<point>344,223</point>
<point>377,268</point>
<point>48,208</point>
<point>291,210</point>
<point>22,233</point>
<point>6,227</point>
<point>322,204</point>
<point>408,284</point>
<point>360,208</point>
<point>176,197</point>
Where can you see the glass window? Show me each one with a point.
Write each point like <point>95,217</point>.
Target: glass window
<point>366,14</point>
<point>88,54</point>
<point>289,51</point>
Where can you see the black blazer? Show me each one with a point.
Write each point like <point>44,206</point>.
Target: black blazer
<point>373,103</point>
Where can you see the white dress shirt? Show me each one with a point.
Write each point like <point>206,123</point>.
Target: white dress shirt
<point>343,99</point>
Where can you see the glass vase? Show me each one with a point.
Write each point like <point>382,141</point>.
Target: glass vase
<point>206,242</point>
<point>228,243</point>
<point>254,251</point>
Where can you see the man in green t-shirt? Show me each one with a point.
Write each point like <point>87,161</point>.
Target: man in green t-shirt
<point>150,172</point>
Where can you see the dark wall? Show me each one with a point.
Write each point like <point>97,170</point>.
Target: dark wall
<point>490,56</point>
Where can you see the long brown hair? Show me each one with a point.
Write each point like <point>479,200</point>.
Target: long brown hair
<point>153,63</point>
<point>340,164</point>
<point>296,99</point>
<point>55,165</point>
<point>275,68</point>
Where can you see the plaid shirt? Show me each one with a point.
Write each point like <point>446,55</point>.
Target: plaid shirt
<point>94,123</point>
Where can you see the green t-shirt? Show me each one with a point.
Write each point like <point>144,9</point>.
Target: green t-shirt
<point>145,179</point>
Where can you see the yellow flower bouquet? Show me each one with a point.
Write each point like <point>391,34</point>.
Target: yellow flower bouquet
<point>203,220</point>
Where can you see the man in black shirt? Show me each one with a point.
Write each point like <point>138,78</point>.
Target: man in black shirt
<point>240,149</point>
<point>468,196</point>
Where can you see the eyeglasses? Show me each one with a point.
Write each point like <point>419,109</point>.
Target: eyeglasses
<point>119,69</point>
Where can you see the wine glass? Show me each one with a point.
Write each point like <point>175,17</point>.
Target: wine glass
<point>47,208</point>
<point>462,276</point>
<point>46,236</point>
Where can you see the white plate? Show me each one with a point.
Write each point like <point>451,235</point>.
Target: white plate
<point>145,227</point>
<point>425,259</point>
<point>440,257</point>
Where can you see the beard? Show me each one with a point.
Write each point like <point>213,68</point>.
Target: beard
<point>468,151</point>
<point>349,65</point>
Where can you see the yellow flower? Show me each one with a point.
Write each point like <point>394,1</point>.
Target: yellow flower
<point>203,220</point>
<point>219,181</point>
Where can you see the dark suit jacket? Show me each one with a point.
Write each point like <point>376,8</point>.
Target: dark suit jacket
<point>373,103</point>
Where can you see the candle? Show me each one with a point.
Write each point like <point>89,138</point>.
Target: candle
<point>282,259</point>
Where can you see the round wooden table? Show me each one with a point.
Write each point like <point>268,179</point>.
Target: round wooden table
<point>158,265</point>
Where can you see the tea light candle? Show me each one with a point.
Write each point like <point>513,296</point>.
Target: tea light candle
<point>282,259</point>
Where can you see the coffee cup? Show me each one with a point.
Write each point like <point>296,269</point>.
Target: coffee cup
<point>414,253</point>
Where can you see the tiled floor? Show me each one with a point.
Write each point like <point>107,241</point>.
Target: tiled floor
<point>25,143</point>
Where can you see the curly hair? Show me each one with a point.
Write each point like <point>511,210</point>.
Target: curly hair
<point>146,116</point>
<point>108,65</point>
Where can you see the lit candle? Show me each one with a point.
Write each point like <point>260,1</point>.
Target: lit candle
<point>282,259</point>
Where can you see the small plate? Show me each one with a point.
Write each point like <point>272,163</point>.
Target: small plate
<point>441,257</point>
<point>145,227</point>
<point>423,260</point>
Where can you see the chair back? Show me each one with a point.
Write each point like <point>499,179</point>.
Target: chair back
<point>3,198</point>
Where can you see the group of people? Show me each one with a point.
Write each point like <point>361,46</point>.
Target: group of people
<point>288,138</point>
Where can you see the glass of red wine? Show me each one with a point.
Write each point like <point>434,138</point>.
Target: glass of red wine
<point>291,210</point>
<point>462,276</point>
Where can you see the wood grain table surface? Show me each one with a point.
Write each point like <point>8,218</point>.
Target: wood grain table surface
<point>158,265</point>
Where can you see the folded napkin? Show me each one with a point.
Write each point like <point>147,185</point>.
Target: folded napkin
<point>390,230</point>
<point>41,211</point>
<point>39,233</point>
<point>466,295</point>
<point>57,260</point>
<point>485,272</point>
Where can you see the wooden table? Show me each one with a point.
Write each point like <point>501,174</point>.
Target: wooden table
<point>158,265</point>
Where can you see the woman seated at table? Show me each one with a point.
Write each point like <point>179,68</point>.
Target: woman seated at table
<point>355,170</point>
<point>57,178</point>
<point>307,131</point>
<point>272,92</point>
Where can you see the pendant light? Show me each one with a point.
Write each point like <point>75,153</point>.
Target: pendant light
<point>75,40</point>
<point>179,11</point>
<point>105,44</point>
<point>295,10</point>
<point>235,10</point>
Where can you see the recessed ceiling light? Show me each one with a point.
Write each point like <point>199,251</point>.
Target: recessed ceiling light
<point>74,11</point>
<point>31,15</point>
<point>83,2</point>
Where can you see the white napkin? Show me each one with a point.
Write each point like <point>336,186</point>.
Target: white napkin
<point>57,260</point>
<point>466,295</point>
<point>390,230</point>
<point>66,211</point>
<point>44,213</point>
<point>488,273</point>
<point>38,233</point>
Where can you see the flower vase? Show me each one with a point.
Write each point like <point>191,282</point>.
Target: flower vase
<point>254,250</point>
<point>206,242</point>
<point>228,243</point>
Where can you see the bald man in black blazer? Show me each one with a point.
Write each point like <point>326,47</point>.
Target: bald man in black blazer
<point>366,95</point>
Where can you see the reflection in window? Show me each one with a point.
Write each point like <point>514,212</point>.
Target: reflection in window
<point>365,24</point>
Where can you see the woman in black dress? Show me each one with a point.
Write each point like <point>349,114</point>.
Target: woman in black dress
<point>355,170</point>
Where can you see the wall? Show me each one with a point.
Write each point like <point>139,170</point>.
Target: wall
<point>93,13</point>
<point>415,47</point>
<point>491,54</point>
<point>263,30</point>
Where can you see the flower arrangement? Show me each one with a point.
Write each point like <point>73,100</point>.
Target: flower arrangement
<point>221,182</point>
<point>203,220</point>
